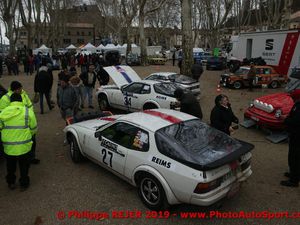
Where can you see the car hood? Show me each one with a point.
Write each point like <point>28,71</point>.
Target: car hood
<point>182,79</point>
<point>122,75</point>
<point>279,101</point>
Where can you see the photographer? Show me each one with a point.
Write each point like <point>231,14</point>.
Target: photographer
<point>222,117</point>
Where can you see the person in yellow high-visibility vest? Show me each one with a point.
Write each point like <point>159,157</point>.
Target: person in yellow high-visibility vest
<point>16,87</point>
<point>17,124</point>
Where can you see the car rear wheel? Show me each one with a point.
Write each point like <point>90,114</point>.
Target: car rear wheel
<point>75,153</point>
<point>237,85</point>
<point>149,106</point>
<point>152,193</point>
<point>103,102</point>
<point>274,84</point>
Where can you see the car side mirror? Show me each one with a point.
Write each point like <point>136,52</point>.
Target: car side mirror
<point>98,135</point>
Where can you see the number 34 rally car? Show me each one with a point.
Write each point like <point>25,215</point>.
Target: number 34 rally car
<point>171,157</point>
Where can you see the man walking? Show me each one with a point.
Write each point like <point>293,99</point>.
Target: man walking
<point>292,122</point>
<point>89,79</point>
<point>17,124</point>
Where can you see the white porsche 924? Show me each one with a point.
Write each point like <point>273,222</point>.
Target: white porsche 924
<point>170,156</point>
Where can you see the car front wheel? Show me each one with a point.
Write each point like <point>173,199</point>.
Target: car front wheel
<point>152,193</point>
<point>274,84</point>
<point>75,153</point>
<point>237,85</point>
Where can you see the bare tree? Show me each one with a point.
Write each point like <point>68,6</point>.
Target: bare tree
<point>129,11</point>
<point>166,16</point>
<point>8,10</point>
<point>144,10</point>
<point>187,40</point>
<point>27,18</point>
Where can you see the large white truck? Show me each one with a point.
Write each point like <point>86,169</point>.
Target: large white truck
<point>279,48</point>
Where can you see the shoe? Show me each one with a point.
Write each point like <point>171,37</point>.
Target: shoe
<point>287,174</point>
<point>12,186</point>
<point>288,183</point>
<point>35,161</point>
<point>24,188</point>
<point>91,107</point>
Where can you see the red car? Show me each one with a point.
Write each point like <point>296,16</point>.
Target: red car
<point>270,111</point>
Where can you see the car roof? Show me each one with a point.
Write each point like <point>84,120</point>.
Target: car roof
<point>150,82</point>
<point>163,73</point>
<point>156,119</point>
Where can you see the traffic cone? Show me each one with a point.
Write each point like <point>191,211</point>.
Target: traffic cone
<point>218,88</point>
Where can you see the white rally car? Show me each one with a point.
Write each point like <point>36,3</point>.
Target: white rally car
<point>133,94</point>
<point>185,82</point>
<point>172,157</point>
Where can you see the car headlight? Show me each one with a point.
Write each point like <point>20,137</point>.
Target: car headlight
<point>278,113</point>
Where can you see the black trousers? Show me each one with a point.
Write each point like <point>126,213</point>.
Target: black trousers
<point>47,96</point>
<point>250,80</point>
<point>294,158</point>
<point>11,166</point>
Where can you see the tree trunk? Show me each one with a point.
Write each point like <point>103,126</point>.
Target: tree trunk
<point>10,36</point>
<point>142,37</point>
<point>128,41</point>
<point>187,37</point>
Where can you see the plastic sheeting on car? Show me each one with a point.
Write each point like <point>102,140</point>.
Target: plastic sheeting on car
<point>198,145</point>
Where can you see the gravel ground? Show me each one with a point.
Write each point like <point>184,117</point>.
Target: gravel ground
<point>57,184</point>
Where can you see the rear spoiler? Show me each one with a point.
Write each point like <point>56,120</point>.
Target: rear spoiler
<point>87,116</point>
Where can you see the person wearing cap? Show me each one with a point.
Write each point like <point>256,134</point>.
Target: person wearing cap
<point>67,99</point>
<point>18,125</point>
<point>222,116</point>
<point>292,122</point>
<point>15,87</point>
<point>188,103</point>
<point>251,76</point>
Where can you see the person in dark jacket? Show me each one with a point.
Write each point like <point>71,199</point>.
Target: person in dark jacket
<point>221,116</point>
<point>292,121</point>
<point>197,70</point>
<point>89,79</point>
<point>188,103</point>
<point>102,76</point>
<point>43,84</point>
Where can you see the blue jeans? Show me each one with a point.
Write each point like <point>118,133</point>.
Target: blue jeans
<point>88,91</point>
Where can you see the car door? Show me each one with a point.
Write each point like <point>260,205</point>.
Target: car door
<point>132,96</point>
<point>114,143</point>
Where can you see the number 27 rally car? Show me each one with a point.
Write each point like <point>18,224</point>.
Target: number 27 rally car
<point>171,157</point>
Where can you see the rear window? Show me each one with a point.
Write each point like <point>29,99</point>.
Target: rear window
<point>195,143</point>
<point>241,71</point>
<point>165,88</point>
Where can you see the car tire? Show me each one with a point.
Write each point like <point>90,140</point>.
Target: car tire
<point>75,153</point>
<point>103,102</point>
<point>237,85</point>
<point>274,84</point>
<point>149,106</point>
<point>152,192</point>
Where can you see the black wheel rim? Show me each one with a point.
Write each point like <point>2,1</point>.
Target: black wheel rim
<point>150,191</point>
<point>237,85</point>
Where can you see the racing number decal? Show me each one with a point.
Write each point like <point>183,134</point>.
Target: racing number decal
<point>127,101</point>
<point>109,154</point>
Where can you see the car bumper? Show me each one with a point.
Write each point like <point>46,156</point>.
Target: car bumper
<point>264,120</point>
<point>222,192</point>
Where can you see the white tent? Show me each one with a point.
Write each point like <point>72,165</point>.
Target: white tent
<point>100,46</point>
<point>89,47</point>
<point>132,45</point>
<point>43,49</point>
<point>71,47</point>
<point>110,46</point>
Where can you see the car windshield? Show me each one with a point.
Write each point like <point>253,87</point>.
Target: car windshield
<point>165,88</point>
<point>241,71</point>
<point>195,142</point>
